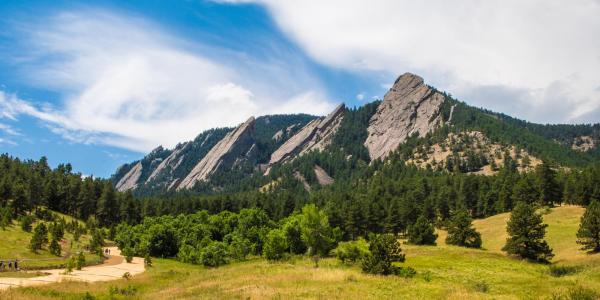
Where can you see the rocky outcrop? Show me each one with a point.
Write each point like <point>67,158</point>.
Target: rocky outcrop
<point>130,179</point>
<point>237,145</point>
<point>170,163</point>
<point>583,143</point>
<point>409,107</point>
<point>315,135</point>
<point>322,177</point>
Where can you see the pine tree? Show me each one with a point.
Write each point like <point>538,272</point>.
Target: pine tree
<point>422,232</point>
<point>107,211</point>
<point>461,233</point>
<point>54,247</point>
<point>588,234</point>
<point>384,250</point>
<point>39,238</point>
<point>550,191</point>
<point>526,233</point>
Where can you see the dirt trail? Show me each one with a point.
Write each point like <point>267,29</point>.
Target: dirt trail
<point>113,268</point>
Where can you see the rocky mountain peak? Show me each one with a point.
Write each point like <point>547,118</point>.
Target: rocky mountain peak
<point>409,107</point>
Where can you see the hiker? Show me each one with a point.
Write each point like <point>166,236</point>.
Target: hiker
<point>1,265</point>
<point>16,264</point>
<point>9,265</point>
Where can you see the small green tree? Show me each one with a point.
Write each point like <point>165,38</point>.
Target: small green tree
<point>54,247</point>
<point>315,231</point>
<point>526,233</point>
<point>147,260</point>
<point>293,235</point>
<point>422,232</point>
<point>39,238</point>
<point>97,242</point>
<point>214,255</point>
<point>384,251</point>
<point>5,217</point>
<point>128,253</point>
<point>461,232</point>
<point>275,245</point>
<point>588,234</point>
<point>80,261</point>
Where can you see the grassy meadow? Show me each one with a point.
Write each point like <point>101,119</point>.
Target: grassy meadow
<point>14,243</point>
<point>443,272</point>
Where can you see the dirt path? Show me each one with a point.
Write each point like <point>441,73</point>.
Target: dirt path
<point>113,268</point>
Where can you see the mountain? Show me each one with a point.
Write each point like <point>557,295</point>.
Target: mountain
<point>415,122</point>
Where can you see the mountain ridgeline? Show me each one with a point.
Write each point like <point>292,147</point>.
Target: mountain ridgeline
<point>414,121</point>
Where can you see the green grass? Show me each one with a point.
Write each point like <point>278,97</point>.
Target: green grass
<point>443,272</point>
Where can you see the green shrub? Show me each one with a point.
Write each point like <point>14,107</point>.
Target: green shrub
<point>239,247</point>
<point>275,245</point>
<point>559,271</point>
<point>214,255</point>
<point>422,232</point>
<point>80,261</point>
<point>352,251</point>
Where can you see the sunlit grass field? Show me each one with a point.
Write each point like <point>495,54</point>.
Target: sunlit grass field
<point>443,272</point>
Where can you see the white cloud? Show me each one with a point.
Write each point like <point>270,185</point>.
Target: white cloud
<point>547,50</point>
<point>360,96</point>
<point>128,83</point>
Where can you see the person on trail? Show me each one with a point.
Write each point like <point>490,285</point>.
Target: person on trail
<point>17,264</point>
<point>1,265</point>
<point>10,265</point>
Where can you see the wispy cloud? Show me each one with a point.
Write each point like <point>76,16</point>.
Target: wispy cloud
<point>548,50</point>
<point>129,83</point>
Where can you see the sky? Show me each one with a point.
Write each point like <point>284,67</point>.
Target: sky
<point>101,83</point>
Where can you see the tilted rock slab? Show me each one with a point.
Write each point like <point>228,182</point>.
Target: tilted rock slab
<point>170,163</point>
<point>227,152</point>
<point>130,180</point>
<point>409,106</point>
<point>315,135</point>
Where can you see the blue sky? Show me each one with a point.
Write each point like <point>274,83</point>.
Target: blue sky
<point>100,83</point>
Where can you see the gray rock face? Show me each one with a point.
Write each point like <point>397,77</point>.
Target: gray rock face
<point>234,147</point>
<point>130,180</point>
<point>170,163</point>
<point>408,107</point>
<point>315,135</point>
<point>322,177</point>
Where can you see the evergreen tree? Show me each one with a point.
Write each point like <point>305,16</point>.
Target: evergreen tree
<point>588,234</point>
<point>384,251</point>
<point>461,232</point>
<point>526,233</point>
<point>107,211</point>
<point>54,247</point>
<point>550,191</point>
<point>422,232</point>
<point>39,238</point>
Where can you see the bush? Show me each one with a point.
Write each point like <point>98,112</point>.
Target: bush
<point>352,251</point>
<point>188,254</point>
<point>559,271</point>
<point>384,251</point>
<point>214,255</point>
<point>275,245</point>
<point>148,261</point>
<point>481,286</point>
<point>239,247</point>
